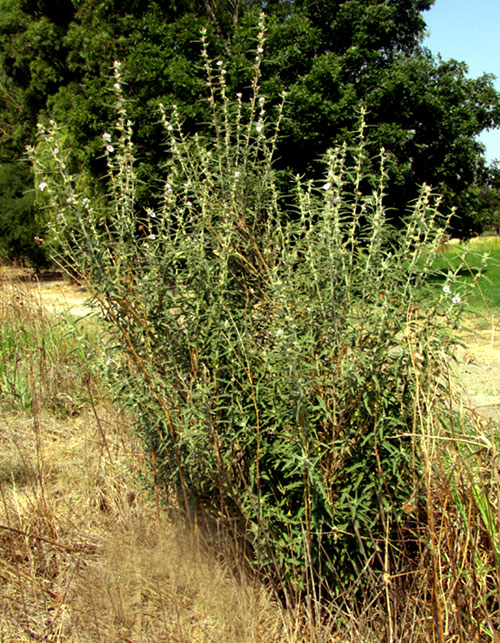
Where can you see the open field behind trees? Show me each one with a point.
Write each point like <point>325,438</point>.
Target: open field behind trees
<point>478,364</point>
<point>88,552</point>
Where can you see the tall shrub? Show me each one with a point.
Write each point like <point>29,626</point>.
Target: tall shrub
<point>275,358</point>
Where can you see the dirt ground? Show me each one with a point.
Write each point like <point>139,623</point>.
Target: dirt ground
<point>477,363</point>
<point>56,293</point>
<point>478,367</point>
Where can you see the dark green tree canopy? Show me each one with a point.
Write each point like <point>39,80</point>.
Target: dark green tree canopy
<point>330,56</point>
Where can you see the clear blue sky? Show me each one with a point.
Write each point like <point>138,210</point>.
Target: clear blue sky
<point>469,31</point>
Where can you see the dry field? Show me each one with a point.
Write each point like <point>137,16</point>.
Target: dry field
<point>478,370</point>
<point>88,552</point>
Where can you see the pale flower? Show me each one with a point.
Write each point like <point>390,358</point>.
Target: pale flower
<point>259,127</point>
<point>116,86</point>
<point>327,186</point>
<point>152,237</point>
<point>456,299</point>
<point>110,148</point>
<point>107,137</point>
<point>219,63</point>
<point>42,186</point>
<point>447,290</point>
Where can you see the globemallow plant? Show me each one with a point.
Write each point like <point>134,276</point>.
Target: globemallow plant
<point>275,349</point>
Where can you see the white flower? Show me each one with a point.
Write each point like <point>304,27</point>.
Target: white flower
<point>110,148</point>
<point>219,63</point>
<point>69,199</point>
<point>260,50</point>
<point>236,175</point>
<point>107,137</point>
<point>223,71</point>
<point>42,185</point>
<point>116,85</point>
<point>152,237</point>
<point>85,201</point>
<point>151,213</point>
<point>117,64</point>
<point>447,290</point>
<point>168,187</point>
<point>259,127</point>
<point>261,100</point>
<point>239,95</point>
<point>327,186</point>
<point>56,150</point>
<point>278,333</point>
<point>456,299</point>
<point>188,204</point>
<point>169,127</point>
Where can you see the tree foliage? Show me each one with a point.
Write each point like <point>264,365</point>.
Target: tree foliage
<point>329,56</point>
<point>20,237</point>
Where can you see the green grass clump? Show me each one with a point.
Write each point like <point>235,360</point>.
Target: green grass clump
<point>44,360</point>
<point>280,361</point>
<point>474,268</point>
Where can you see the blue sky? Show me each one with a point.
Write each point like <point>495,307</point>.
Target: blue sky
<point>469,31</point>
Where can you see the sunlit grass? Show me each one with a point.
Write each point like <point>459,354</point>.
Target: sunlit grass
<point>476,265</point>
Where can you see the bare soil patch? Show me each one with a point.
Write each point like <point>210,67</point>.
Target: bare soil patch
<point>478,369</point>
<point>57,293</point>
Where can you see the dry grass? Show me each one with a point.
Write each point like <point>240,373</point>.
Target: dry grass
<point>87,555</point>
<point>88,552</point>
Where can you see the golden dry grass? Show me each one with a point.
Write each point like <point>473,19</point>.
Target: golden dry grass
<point>86,551</point>
<point>87,555</point>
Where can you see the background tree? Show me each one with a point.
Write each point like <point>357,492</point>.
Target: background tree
<point>330,57</point>
<point>489,198</point>
<point>424,111</point>
<point>32,68</point>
